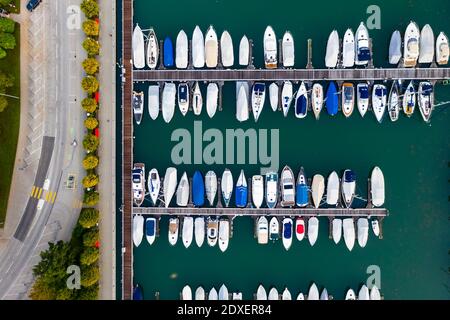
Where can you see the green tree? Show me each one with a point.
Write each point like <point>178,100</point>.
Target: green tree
<point>91,46</point>
<point>5,3</point>
<point>91,28</point>
<point>89,217</point>
<point>89,105</point>
<point>90,142</point>
<point>91,198</point>
<point>41,290</point>
<point>89,256</point>
<point>90,66</point>
<point>65,294</point>
<point>90,181</point>
<point>54,261</point>
<point>90,162</point>
<point>3,103</point>
<point>7,40</point>
<point>6,80</point>
<point>91,123</point>
<point>90,275</point>
<point>2,53</point>
<point>90,237</point>
<point>88,293</point>
<point>89,84</point>
<point>89,8</point>
<point>7,25</point>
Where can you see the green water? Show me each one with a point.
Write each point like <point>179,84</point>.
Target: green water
<point>413,256</point>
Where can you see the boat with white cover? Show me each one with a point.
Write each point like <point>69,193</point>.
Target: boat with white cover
<point>181,50</point>
<point>348,227</point>
<point>138,229</point>
<point>288,50</point>
<point>188,231</point>
<point>242,113</point>
<point>426,50</point>
<point>257,190</point>
<point>313,293</point>
<point>199,230</point>
<point>313,230</point>
<point>377,187</point>
<point>226,49</point>
<point>138,48</point>
<point>348,49</point>
<point>168,101</point>
<point>332,52</point>
<point>153,101</point>
<point>183,191</point>
<point>273,95</point>
<point>363,231</point>
<point>212,95</point>
<point>211,186</point>
<point>244,51</point>
<point>395,47</point>
<point>198,48</point>
<point>170,184</point>
<point>211,48</point>
<point>337,230</point>
<point>333,189</point>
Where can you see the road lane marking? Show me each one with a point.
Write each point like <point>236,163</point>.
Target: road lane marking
<point>32,191</point>
<point>54,197</point>
<point>40,193</point>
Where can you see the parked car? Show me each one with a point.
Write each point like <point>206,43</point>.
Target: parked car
<point>32,4</point>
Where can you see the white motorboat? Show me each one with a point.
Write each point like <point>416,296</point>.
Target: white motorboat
<point>199,231</point>
<point>213,295</point>
<point>223,293</point>
<point>395,47</point>
<point>211,48</point>
<point>362,97</point>
<point>212,227</point>
<point>313,293</point>
<point>348,49</point>
<point>262,230</point>
<point>168,101</point>
<point>348,227</point>
<point>333,189</point>
<point>350,295</point>
<point>186,293</point>
<point>257,190</point>
<point>152,49</point>
<point>226,49</point>
<point>173,231</point>
<point>197,99</point>
<point>198,48</point>
<point>300,296</point>
<point>261,293</point>
<point>348,99</point>
<point>183,191</point>
<point>138,183</point>
<point>377,187</point>
<point>364,293</point>
<point>138,229</point>
<point>287,233</point>
<point>287,187</point>
<point>242,104</point>
<point>348,187</point>
<point>273,294</point>
<point>153,101</point>
<point>138,48</point>
<point>212,95</point>
<point>317,189</point>
<point>200,294</point>
<point>411,45</point>
<point>188,231</point>
<point>337,230</point>
<point>224,234</point>
<point>244,51</point>
<point>313,230</point>
<point>211,186</point>
<point>170,184</point>
<point>181,50</point>
<point>271,189</point>
<point>317,99</point>
<point>287,94</point>
<point>138,106</point>
<point>183,98</point>
<point>237,296</point>
<point>425,100</point>
<point>227,186</point>
<point>154,185</point>
<point>324,294</point>
<point>273,95</point>
<point>288,50</point>
<point>394,102</point>
<point>379,98</point>
<point>286,295</point>
<point>426,49</point>
<point>274,229</point>
<point>442,49</point>
<point>375,293</point>
<point>332,52</point>
<point>375,227</point>
<point>258,99</point>
<point>409,100</point>
<point>362,50</point>
<point>270,48</point>
<point>300,228</point>
<point>363,231</point>
<point>301,102</point>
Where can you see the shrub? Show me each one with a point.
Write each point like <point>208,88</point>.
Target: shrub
<point>88,217</point>
<point>91,28</point>
<point>89,8</point>
<point>91,123</point>
<point>90,275</point>
<point>91,237</point>
<point>90,181</point>
<point>90,66</point>
<point>89,105</point>
<point>90,162</point>
<point>91,46</point>
<point>3,103</point>
<point>89,84</point>
<point>7,25</point>
<point>7,40</point>
<point>88,293</point>
<point>91,198</point>
<point>90,142</point>
<point>89,256</point>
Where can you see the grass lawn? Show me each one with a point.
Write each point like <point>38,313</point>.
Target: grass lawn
<point>9,126</point>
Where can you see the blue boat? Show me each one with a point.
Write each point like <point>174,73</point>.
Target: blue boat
<point>241,191</point>
<point>198,189</point>
<point>168,53</point>
<point>137,293</point>
<point>332,102</point>
<point>301,192</point>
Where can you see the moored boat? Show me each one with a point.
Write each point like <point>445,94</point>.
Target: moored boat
<point>198,48</point>
<point>223,293</point>
<point>261,293</point>
<point>333,189</point>
<point>224,234</point>
<point>362,50</point>
<point>183,191</point>
<point>300,228</point>
<point>152,49</point>
<point>138,48</point>
<point>337,229</point>
<point>313,230</point>
<point>288,50</point>
<point>273,96</point>
<point>168,53</point>
<point>424,99</point>
<point>227,186</point>
<point>257,190</point>
<point>411,45</point>
<point>348,187</point>
<point>409,100</point>
<point>332,52</point>
<point>375,227</point>
<point>442,49</point>
<point>287,233</point>
<point>395,47</point>
<point>262,230</point>
<point>301,101</point>
<point>271,189</point>
<point>287,187</point>
<point>213,295</point>
<point>426,50</point>
<point>364,293</point>
<point>186,293</point>
<point>379,97</point>
<point>211,186</point>
<point>198,189</point>
<point>181,50</point>
<point>301,195</point>
<point>317,189</point>
<point>211,48</point>
<point>350,295</point>
<point>244,51</point>
<point>188,231</point>
<point>313,293</point>
<point>138,106</point>
<point>317,99</point>
<point>324,294</point>
<point>348,227</point>
<point>332,99</point>
<point>212,227</point>
<point>212,95</point>
<point>258,99</point>
<point>375,293</point>
<point>270,48</point>
<point>138,184</point>
<point>348,99</point>
<point>377,187</point>
<point>168,101</point>
<point>286,295</point>
<point>226,49</point>
<point>362,97</point>
<point>137,293</point>
<point>153,101</point>
<point>242,103</point>
<point>199,231</point>
<point>170,184</point>
<point>286,97</point>
<point>300,296</point>
<point>394,102</point>
<point>153,185</point>
<point>200,293</point>
<point>197,99</point>
<point>274,229</point>
<point>363,231</point>
<point>138,229</point>
<point>173,231</point>
<point>348,49</point>
<point>183,98</point>
<point>241,191</point>
<point>273,294</point>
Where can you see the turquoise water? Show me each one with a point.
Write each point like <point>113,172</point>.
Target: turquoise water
<point>413,256</point>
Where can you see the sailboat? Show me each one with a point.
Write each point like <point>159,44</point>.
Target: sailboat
<point>313,230</point>
<point>224,234</point>
<point>348,49</point>
<point>183,98</point>
<point>138,48</point>
<point>301,101</point>
<point>181,50</point>
<point>379,97</point>
<point>287,233</point>
<point>348,99</point>
<point>227,186</point>
<point>258,99</point>
<point>274,229</point>
<point>153,101</point>
<point>409,100</point>
<point>197,99</point>
<point>199,230</point>
<point>442,49</point>
<point>300,228</point>
<point>273,95</point>
<point>348,187</point>
<point>138,183</point>
<point>426,50</point>
<point>424,99</point>
<point>332,100</point>
<point>241,191</point>
<point>395,47</point>
<point>211,48</point>
<point>244,51</point>
<point>337,229</point>
<point>288,50</point>
<point>317,99</point>
<point>317,189</point>
<point>170,184</point>
<point>286,96</point>
<point>270,48</point>
<point>211,186</point>
<point>168,53</point>
<point>173,231</point>
<point>363,231</point>
<point>138,229</point>
<point>168,101</point>
<point>138,106</point>
<point>212,227</point>
<point>183,191</point>
<point>188,231</point>
<point>377,187</point>
<point>332,52</point>
<point>198,48</point>
<point>262,230</point>
<point>261,293</point>
<point>411,45</point>
<point>212,95</point>
<point>271,189</point>
<point>226,49</point>
<point>394,102</point>
<point>241,102</point>
<point>348,227</point>
<point>333,189</point>
<point>154,185</point>
<point>362,54</point>
<point>287,187</point>
<point>198,189</point>
<point>152,49</point>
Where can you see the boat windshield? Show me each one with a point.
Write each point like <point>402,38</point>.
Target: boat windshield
<point>136,178</point>
<point>364,54</point>
<point>348,93</point>
<point>364,92</point>
<point>427,89</point>
<point>349,176</point>
<point>287,232</point>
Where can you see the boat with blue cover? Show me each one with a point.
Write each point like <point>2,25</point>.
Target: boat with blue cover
<point>301,102</point>
<point>150,230</point>
<point>362,97</point>
<point>137,293</point>
<point>168,53</point>
<point>198,189</point>
<point>301,192</point>
<point>287,233</point>
<point>241,191</point>
<point>348,187</point>
<point>332,102</point>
